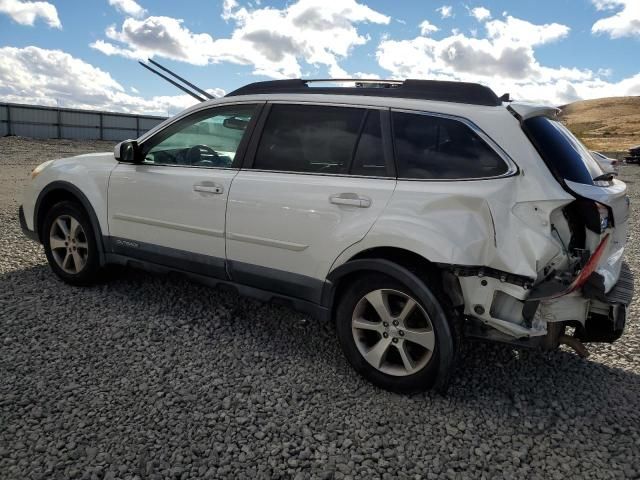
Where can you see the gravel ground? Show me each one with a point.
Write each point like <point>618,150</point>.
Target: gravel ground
<point>147,377</point>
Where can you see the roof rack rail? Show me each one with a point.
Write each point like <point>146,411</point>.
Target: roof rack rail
<point>457,92</point>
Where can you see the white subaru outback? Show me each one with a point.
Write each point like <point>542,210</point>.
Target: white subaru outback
<point>414,214</point>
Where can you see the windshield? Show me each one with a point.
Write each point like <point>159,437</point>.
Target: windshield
<point>563,153</point>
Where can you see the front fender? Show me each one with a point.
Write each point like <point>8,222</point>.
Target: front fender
<point>86,204</point>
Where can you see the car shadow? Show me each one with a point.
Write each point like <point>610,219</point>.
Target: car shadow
<point>487,374</point>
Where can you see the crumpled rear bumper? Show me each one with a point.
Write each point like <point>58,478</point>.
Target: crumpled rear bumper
<point>622,292</point>
<point>607,325</point>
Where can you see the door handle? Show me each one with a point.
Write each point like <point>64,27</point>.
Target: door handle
<point>208,188</point>
<point>351,199</point>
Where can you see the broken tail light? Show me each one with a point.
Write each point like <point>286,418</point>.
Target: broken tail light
<point>590,266</point>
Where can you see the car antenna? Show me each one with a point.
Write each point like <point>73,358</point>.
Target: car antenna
<point>174,83</point>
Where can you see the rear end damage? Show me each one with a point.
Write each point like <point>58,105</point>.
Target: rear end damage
<point>585,286</point>
<point>588,288</point>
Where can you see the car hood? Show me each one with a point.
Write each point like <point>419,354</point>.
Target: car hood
<point>87,157</point>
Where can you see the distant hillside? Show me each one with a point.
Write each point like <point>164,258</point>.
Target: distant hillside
<point>605,124</point>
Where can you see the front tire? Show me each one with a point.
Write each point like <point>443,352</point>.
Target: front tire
<point>70,244</point>
<point>388,335</point>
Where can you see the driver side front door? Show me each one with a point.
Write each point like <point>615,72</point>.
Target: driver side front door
<point>171,208</point>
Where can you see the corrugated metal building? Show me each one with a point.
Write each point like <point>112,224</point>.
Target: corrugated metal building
<point>51,122</point>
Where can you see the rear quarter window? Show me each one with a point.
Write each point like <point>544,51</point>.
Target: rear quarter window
<point>563,153</point>
<point>438,148</point>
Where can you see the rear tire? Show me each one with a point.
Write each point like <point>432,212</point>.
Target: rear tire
<point>70,244</point>
<point>387,333</point>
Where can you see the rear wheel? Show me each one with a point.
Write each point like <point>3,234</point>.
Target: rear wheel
<point>388,335</point>
<point>70,244</point>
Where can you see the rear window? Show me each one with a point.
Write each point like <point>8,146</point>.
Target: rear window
<point>564,154</point>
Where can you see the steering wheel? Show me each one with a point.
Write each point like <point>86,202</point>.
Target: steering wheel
<point>195,156</point>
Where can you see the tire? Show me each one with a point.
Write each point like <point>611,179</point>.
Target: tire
<point>411,355</point>
<point>70,244</point>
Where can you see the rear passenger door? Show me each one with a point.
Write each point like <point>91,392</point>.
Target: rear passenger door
<point>316,179</point>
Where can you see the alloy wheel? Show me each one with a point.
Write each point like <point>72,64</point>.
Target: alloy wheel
<point>393,332</point>
<point>68,243</point>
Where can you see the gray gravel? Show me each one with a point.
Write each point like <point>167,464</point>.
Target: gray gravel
<point>147,377</point>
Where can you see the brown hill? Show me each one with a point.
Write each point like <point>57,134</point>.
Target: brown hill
<point>605,124</point>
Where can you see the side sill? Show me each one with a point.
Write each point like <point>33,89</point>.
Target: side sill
<point>316,311</point>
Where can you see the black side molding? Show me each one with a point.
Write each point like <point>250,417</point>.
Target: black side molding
<point>172,258</point>
<point>23,224</point>
<point>267,296</point>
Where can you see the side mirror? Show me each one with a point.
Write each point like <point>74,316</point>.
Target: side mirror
<point>126,151</point>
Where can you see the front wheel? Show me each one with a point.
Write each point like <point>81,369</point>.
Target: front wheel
<point>388,335</point>
<point>70,244</point>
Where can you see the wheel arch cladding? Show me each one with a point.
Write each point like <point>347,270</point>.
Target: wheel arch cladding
<point>398,272</point>
<point>60,191</point>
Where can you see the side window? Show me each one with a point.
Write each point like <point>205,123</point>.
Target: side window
<point>206,139</point>
<point>309,138</point>
<point>430,147</point>
<point>369,159</point>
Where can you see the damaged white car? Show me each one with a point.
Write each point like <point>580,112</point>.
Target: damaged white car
<point>414,214</point>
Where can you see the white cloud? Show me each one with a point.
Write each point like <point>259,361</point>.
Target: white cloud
<point>26,13</point>
<point>480,13</point>
<point>504,58</point>
<point>514,31</point>
<point>51,77</point>
<point>273,41</point>
<point>445,11</point>
<point>129,7</point>
<point>427,27</point>
<point>162,36</point>
<point>624,23</point>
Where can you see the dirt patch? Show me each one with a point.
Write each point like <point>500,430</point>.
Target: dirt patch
<point>605,124</point>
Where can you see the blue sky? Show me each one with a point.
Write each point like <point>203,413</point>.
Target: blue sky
<point>83,53</point>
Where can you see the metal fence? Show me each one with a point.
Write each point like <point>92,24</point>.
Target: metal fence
<point>52,122</point>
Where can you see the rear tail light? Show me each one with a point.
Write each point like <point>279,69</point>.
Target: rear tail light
<point>587,270</point>
<point>590,266</point>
